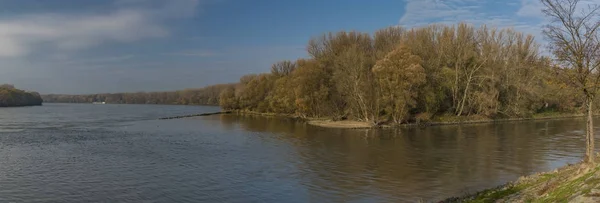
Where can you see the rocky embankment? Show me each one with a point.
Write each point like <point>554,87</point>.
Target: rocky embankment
<point>194,115</point>
<point>572,183</point>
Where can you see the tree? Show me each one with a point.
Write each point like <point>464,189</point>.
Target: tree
<point>312,88</point>
<point>281,99</point>
<point>353,78</point>
<point>227,99</point>
<point>386,40</point>
<point>575,42</point>
<point>255,92</point>
<point>10,96</point>
<point>398,76</point>
<point>7,86</point>
<point>283,68</point>
<point>348,57</point>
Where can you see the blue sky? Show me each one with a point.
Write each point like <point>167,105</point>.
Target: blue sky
<point>96,46</point>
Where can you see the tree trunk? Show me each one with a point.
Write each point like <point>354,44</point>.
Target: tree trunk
<point>464,96</point>
<point>455,88</point>
<point>589,132</point>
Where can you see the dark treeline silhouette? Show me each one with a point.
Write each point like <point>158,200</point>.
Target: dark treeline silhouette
<point>399,75</point>
<point>202,96</point>
<point>11,97</point>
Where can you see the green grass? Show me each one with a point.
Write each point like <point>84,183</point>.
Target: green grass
<point>489,196</point>
<point>573,181</point>
<point>567,189</point>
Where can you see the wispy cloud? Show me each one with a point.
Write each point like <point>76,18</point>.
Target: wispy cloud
<point>201,53</point>
<point>131,20</point>
<point>531,8</point>
<point>522,15</point>
<point>101,60</point>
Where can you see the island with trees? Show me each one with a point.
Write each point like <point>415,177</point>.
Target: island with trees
<point>13,97</point>
<point>437,73</point>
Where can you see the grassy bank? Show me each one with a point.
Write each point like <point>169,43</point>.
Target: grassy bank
<point>572,183</point>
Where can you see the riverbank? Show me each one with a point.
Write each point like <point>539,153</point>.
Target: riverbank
<point>351,124</point>
<point>346,124</point>
<point>455,120</point>
<point>573,183</point>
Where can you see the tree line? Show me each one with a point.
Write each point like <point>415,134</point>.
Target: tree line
<point>399,75</point>
<point>202,96</point>
<point>394,75</point>
<point>12,97</point>
<point>402,75</point>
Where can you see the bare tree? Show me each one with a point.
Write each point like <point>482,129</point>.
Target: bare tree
<point>575,42</point>
<point>283,68</point>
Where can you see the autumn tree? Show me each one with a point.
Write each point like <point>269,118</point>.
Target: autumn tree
<point>386,40</point>
<point>311,86</point>
<point>11,96</point>
<point>227,99</point>
<point>434,44</point>
<point>283,68</point>
<point>575,42</point>
<point>398,75</point>
<point>281,99</point>
<point>349,57</point>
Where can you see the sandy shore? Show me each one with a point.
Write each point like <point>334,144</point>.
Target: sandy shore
<point>341,124</point>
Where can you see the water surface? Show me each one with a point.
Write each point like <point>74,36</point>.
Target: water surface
<point>122,153</point>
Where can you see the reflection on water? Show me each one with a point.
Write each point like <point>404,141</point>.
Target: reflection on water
<point>121,153</point>
<point>418,163</point>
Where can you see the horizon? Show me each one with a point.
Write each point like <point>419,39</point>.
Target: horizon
<point>95,47</point>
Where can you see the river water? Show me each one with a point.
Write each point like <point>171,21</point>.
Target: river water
<point>122,153</point>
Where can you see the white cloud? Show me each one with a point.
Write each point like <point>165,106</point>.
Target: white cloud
<point>531,8</point>
<point>421,12</point>
<point>522,15</point>
<point>131,20</point>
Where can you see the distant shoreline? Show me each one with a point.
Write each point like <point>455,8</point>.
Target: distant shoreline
<point>51,102</point>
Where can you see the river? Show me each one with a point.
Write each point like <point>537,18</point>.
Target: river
<point>122,153</point>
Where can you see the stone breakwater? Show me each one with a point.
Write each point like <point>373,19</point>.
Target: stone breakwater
<point>195,115</point>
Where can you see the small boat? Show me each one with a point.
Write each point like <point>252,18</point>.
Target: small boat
<point>98,102</point>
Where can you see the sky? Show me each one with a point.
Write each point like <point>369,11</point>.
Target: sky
<point>102,46</point>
